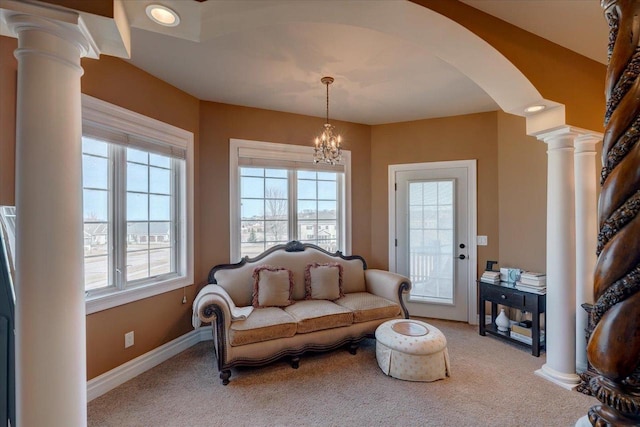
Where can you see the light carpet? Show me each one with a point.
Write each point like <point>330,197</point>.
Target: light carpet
<point>492,384</point>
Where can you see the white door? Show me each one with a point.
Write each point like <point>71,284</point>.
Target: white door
<point>433,242</point>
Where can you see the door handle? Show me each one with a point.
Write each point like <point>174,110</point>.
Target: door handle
<point>461,256</point>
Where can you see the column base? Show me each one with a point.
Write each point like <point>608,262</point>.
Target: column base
<point>566,381</point>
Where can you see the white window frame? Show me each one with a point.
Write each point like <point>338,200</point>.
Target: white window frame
<point>109,116</point>
<point>287,155</point>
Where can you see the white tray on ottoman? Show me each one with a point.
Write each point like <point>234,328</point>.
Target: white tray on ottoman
<point>412,350</point>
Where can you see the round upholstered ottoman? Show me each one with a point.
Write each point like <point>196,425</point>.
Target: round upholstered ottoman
<point>412,350</point>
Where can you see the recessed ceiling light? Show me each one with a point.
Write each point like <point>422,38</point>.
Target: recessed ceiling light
<point>535,108</point>
<point>162,15</point>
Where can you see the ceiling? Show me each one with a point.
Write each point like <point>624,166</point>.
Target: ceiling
<point>272,53</point>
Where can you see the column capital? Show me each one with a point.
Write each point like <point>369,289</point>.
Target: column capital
<point>572,133</point>
<point>586,143</point>
<point>94,34</point>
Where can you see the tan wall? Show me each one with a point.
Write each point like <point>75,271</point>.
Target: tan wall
<point>522,190</point>
<point>160,319</point>
<point>559,74</point>
<point>8,84</point>
<point>220,122</point>
<point>466,137</point>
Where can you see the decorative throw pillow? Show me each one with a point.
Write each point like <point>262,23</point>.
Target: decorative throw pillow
<point>323,281</point>
<point>272,286</point>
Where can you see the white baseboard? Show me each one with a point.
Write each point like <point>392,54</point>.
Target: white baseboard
<point>101,384</point>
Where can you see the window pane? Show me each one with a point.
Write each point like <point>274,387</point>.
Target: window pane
<point>415,193</point>
<point>138,156</point>
<point>252,209</point>
<point>276,173</point>
<point>327,190</point>
<point>252,187</point>
<point>327,210</point>
<point>276,209</point>
<point>306,189</point>
<point>159,160</point>
<point>251,172</point>
<point>94,146</point>
<point>445,217</point>
<point>307,175</point>
<point>252,231</point>
<point>276,188</point>
<point>96,238</point>
<point>327,176</point>
<point>137,265</point>
<point>137,236</point>
<point>307,230</point>
<point>276,231</point>
<point>96,272</point>
<point>159,208</point>
<point>160,261</point>
<point>307,209</point>
<point>94,172</point>
<point>160,235</point>
<point>95,205</point>
<point>160,181</point>
<point>445,192</point>
<point>137,207</point>
<point>137,177</point>
<point>415,217</point>
<point>430,217</point>
<point>430,193</point>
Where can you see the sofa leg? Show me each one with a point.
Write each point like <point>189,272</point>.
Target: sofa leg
<point>224,376</point>
<point>295,362</point>
<point>353,348</point>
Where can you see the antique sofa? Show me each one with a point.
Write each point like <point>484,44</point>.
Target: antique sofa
<point>292,299</point>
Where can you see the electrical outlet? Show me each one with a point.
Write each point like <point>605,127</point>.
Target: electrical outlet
<point>128,339</point>
<point>482,241</point>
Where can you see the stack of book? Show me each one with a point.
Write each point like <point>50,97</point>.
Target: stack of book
<point>532,282</point>
<point>523,334</point>
<point>490,277</point>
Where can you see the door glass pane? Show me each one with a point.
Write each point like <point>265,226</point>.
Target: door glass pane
<point>431,256</point>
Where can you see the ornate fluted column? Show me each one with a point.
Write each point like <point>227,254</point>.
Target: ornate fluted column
<point>50,312</point>
<point>614,345</point>
<point>561,280</point>
<point>586,236</point>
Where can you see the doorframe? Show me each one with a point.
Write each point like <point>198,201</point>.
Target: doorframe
<point>472,221</point>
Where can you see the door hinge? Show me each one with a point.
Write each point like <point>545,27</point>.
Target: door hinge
<point>395,186</point>
<point>396,243</point>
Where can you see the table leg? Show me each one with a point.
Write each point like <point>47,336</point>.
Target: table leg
<point>535,344</point>
<point>481,314</point>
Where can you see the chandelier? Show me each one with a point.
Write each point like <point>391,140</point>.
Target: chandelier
<point>327,146</point>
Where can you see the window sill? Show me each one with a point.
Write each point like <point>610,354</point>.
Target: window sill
<point>102,302</point>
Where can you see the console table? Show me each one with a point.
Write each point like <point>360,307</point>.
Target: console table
<point>505,294</point>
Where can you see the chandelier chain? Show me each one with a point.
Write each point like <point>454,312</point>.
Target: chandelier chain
<point>327,84</point>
